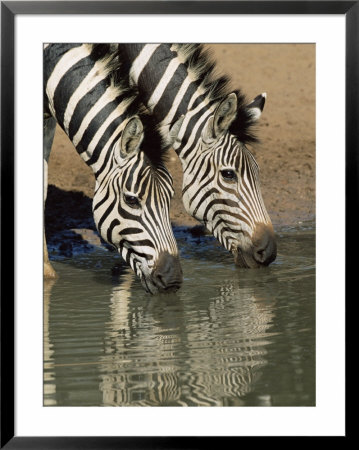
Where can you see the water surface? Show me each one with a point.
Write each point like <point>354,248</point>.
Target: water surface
<point>228,337</point>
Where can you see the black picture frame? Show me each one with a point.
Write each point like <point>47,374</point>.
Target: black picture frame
<point>9,10</point>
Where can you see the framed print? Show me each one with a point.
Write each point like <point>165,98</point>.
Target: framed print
<point>254,350</point>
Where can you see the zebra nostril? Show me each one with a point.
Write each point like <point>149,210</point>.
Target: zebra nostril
<point>159,280</point>
<point>260,255</point>
<point>265,248</point>
<point>165,283</point>
<point>265,255</point>
<point>167,274</point>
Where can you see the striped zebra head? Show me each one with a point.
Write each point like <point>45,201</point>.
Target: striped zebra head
<point>221,186</point>
<point>131,207</point>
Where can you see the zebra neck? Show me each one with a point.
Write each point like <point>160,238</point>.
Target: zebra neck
<point>85,102</point>
<point>167,87</point>
<point>99,131</point>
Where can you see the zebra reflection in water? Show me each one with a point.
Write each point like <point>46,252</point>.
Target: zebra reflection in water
<point>162,354</point>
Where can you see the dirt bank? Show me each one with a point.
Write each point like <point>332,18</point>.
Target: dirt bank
<point>286,154</point>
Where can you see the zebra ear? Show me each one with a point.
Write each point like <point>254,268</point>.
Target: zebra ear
<point>224,115</point>
<point>174,130</point>
<point>256,106</point>
<point>131,138</point>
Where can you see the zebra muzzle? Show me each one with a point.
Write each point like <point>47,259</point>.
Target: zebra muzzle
<point>261,253</point>
<point>167,275</point>
<point>264,245</point>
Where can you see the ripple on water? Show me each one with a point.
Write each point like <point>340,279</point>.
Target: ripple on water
<point>228,337</point>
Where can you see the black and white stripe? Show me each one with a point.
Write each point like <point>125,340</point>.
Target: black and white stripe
<point>209,127</point>
<point>117,138</point>
<point>208,368</point>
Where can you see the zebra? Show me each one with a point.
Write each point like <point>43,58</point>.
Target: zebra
<point>118,139</point>
<point>208,126</point>
<point>222,368</point>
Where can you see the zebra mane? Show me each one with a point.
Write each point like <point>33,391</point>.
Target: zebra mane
<point>202,68</point>
<point>152,145</point>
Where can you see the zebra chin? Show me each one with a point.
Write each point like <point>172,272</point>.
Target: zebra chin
<point>165,277</point>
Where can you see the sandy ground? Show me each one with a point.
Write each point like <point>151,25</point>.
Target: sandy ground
<point>286,153</point>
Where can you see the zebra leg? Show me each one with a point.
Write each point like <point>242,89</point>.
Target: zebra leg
<point>49,132</point>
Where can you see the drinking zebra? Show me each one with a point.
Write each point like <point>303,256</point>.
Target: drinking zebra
<point>117,138</point>
<point>208,127</point>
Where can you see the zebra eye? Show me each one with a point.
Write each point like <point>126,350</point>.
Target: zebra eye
<point>228,174</point>
<point>132,201</point>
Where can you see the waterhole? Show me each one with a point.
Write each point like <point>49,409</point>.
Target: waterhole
<point>228,337</point>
